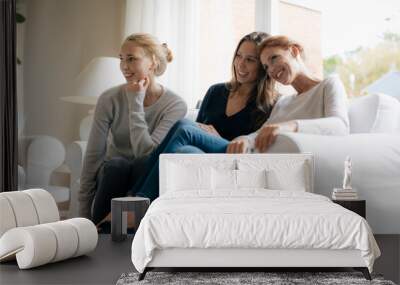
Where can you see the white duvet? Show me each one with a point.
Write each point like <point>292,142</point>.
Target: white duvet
<point>250,219</point>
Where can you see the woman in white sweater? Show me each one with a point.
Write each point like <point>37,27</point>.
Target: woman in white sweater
<point>129,122</point>
<point>319,107</point>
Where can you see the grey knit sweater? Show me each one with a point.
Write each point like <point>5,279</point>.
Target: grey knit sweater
<point>123,127</point>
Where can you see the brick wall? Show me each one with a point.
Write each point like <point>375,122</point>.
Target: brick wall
<point>303,25</point>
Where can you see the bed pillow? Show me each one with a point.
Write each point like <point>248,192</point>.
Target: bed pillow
<point>251,178</point>
<point>223,179</point>
<point>229,179</point>
<point>188,177</point>
<point>291,178</point>
<point>284,173</point>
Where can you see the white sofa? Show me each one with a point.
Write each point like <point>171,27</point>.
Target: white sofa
<point>374,146</point>
<point>376,170</point>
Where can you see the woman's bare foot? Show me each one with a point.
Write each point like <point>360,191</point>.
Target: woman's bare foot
<point>106,219</point>
<point>131,220</point>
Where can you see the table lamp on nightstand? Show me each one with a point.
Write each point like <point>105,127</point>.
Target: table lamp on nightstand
<point>99,75</point>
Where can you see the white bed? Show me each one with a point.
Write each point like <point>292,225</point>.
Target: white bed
<point>219,211</point>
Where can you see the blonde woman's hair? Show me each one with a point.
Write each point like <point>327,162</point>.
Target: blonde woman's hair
<point>160,53</point>
<point>282,42</point>
<point>285,43</point>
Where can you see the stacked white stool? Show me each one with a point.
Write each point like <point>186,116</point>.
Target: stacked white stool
<point>31,230</point>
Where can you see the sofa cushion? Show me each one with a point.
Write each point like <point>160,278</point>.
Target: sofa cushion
<point>375,113</point>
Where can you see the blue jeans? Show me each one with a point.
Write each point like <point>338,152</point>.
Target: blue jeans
<point>184,137</point>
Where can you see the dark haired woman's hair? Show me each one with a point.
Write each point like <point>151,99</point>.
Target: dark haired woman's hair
<point>263,94</point>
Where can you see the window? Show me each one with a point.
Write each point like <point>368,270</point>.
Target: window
<point>361,43</point>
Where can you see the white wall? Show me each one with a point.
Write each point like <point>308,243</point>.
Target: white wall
<point>61,37</point>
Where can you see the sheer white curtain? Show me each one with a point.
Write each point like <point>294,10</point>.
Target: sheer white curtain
<point>175,22</point>
<point>200,35</point>
<point>217,43</point>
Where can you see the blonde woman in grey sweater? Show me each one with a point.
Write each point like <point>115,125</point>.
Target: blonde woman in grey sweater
<point>130,121</point>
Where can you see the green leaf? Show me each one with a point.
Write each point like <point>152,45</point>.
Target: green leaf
<point>20,18</point>
<point>19,61</point>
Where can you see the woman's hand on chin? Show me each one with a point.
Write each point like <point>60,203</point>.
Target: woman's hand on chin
<point>138,85</point>
<point>238,145</point>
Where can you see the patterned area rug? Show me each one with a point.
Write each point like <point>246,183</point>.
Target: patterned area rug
<point>243,278</point>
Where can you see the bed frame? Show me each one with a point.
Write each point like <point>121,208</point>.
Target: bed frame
<point>244,259</point>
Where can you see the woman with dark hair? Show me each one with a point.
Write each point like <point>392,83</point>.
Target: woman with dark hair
<point>237,107</point>
<point>229,110</point>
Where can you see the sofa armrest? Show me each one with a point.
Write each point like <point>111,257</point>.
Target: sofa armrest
<point>375,174</point>
<point>286,143</point>
<point>74,160</point>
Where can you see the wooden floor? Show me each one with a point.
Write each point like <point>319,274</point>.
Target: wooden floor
<point>110,260</point>
<point>102,266</point>
<point>389,262</point>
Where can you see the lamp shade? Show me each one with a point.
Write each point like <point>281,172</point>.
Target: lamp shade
<point>100,74</point>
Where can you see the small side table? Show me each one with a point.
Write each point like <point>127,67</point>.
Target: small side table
<point>119,209</point>
<point>357,206</point>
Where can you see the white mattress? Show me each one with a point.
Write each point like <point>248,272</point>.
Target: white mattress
<point>252,218</point>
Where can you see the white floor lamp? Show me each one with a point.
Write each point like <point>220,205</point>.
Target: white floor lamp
<point>99,75</point>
